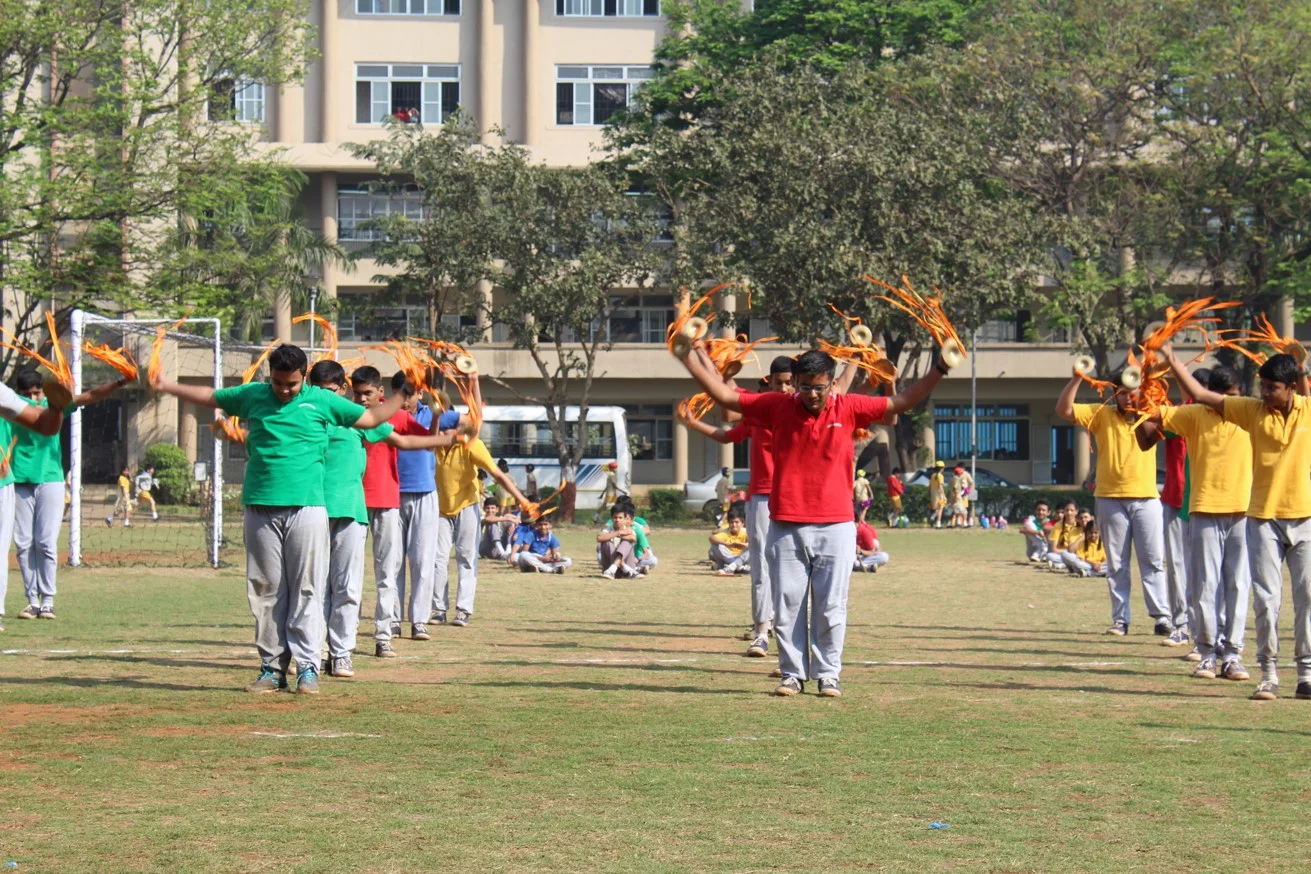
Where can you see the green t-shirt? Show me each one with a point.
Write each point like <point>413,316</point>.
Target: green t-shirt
<point>38,458</point>
<point>7,434</point>
<point>640,544</point>
<point>343,476</point>
<point>287,443</point>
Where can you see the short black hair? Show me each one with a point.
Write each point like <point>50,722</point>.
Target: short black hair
<point>287,358</point>
<point>400,383</point>
<point>624,502</point>
<point>1202,375</point>
<point>366,375</point>
<point>780,364</point>
<point>1041,502</point>
<point>324,372</point>
<point>530,468</point>
<point>896,470</point>
<point>814,363</point>
<point>1280,368</point>
<point>737,511</point>
<point>489,502</point>
<point>1221,378</point>
<point>502,464</point>
<point>27,379</point>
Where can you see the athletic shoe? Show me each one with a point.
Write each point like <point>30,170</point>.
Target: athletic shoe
<point>1233,670</point>
<point>559,569</point>
<point>395,629</point>
<point>419,631</point>
<point>307,681</point>
<point>608,573</point>
<point>759,648</point>
<point>1194,655</point>
<point>1178,637</point>
<point>1205,669</point>
<point>789,687</point>
<point>268,680</point>
<point>383,650</point>
<point>127,523</point>
<point>723,572</point>
<point>1266,691</point>
<point>1164,628</point>
<point>461,619</point>
<point>437,619</point>
<point>109,521</point>
<point>31,611</point>
<point>47,612</point>
<point>1303,692</point>
<point>154,517</point>
<point>1119,629</point>
<point>342,667</point>
<point>830,688</point>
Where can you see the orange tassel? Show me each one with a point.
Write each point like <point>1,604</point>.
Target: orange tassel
<point>119,359</point>
<point>58,367</point>
<point>926,312</point>
<point>329,335</point>
<point>152,365</point>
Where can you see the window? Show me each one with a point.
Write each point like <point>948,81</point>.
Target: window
<point>357,205</point>
<point>239,100</point>
<point>360,319</point>
<point>640,319</point>
<point>591,95</point>
<point>1003,431</point>
<point>534,440</point>
<point>426,93</point>
<point>407,7</point>
<point>650,431</point>
<point>607,8</point>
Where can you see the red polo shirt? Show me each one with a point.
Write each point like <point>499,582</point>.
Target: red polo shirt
<point>1176,450</point>
<point>382,484</point>
<point>762,456</point>
<point>812,453</point>
<point>895,486</point>
<point>866,536</point>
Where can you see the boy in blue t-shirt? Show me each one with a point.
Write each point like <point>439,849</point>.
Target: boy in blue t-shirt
<point>542,552</point>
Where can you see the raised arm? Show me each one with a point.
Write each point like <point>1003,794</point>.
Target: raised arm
<point>911,397</point>
<point>200,395</point>
<point>1065,401</point>
<point>706,376</point>
<point>99,393</point>
<point>845,379</point>
<point>1200,393</point>
<point>1149,432</point>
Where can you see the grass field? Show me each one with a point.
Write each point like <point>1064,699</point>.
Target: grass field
<point>585,725</point>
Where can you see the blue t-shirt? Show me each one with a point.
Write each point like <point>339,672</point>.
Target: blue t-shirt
<point>524,534</point>
<point>417,468</point>
<point>542,545</point>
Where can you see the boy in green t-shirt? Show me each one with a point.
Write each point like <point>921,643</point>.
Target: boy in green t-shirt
<point>621,543</point>
<point>286,520</point>
<point>37,467</point>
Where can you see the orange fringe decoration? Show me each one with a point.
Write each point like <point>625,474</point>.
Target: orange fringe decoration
<point>926,312</point>
<point>695,407</point>
<point>680,323</point>
<point>444,364</point>
<point>152,365</point>
<point>533,512</point>
<point>413,362</point>
<point>329,335</point>
<point>119,359</point>
<point>870,359</point>
<point>229,428</point>
<point>58,367</point>
<point>732,352</point>
<point>1266,334</point>
<point>8,456</point>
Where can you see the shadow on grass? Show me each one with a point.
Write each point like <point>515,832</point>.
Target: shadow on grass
<point>606,687</point>
<point>157,661</point>
<point>620,632</point>
<point>1096,690</point>
<point>762,664</point>
<point>117,682</point>
<point>701,625</point>
<point>1242,728</point>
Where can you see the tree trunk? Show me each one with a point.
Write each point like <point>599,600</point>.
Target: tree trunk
<point>568,496</point>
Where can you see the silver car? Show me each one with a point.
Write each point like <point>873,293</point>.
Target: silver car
<point>699,496</point>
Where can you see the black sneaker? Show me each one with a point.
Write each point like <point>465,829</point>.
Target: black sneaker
<point>419,631</point>
<point>1303,691</point>
<point>789,686</point>
<point>461,619</point>
<point>1164,628</point>
<point>830,688</point>
<point>437,619</point>
<point>1119,629</point>
<point>47,612</point>
<point>395,629</point>
<point>383,650</point>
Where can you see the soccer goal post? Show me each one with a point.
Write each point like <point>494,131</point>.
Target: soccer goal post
<point>175,518</point>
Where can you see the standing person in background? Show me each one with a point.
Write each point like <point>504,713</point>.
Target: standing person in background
<point>145,483</point>
<point>965,482</point>
<point>862,494</point>
<point>896,488</point>
<point>937,493</point>
<point>611,492</point>
<point>1128,506</point>
<point>122,500</point>
<point>723,489</point>
<point>530,481</point>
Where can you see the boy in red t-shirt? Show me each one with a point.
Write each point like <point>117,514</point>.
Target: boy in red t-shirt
<point>869,552</point>
<point>811,544</point>
<point>896,488</point>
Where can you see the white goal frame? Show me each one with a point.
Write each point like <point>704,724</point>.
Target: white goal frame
<point>79,322</point>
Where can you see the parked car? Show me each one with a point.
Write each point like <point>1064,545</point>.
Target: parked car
<point>983,478</point>
<point>699,496</point>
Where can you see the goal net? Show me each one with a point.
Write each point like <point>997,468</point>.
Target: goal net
<point>189,514</point>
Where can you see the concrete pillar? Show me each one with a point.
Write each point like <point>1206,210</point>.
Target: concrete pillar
<point>929,438</point>
<point>532,95</point>
<point>328,220</point>
<point>484,312</point>
<point>728,304</point>
<point>725,454</point>
<point>288,114</point>
<point>282,316</point>
<point>188,430</point>
<point>680,453</point>
<point>486,63</point>
<point>330,62</point>
<point>1284,317</point>
<point>1082,455</point>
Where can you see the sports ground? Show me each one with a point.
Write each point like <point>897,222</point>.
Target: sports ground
<point>585,725</point>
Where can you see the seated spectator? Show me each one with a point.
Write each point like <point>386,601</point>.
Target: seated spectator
<point>495,542</point>
<point>646,560</point>
<point>728,546</point>
<point>542,553</point>
<point>869,552</point>
<point>1089,559</point>
<point>1035,529</point>
<point>621,542</point>
<point>522,535</point>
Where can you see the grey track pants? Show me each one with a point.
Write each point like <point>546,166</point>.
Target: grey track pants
<point>723,558</point>
<point>1176,560</point>
<point>1270,543</point>
<point>388,553</point>
<point>6,537</point>
<point>287,555</point>
<point>811,569</point>
<point>419,516</point>
<point>1135,523</point>
<point>615,550</point>
<point>458,534</point>
<point>762,586</point>
<point>345,589</point>
<point>1220,582</point>
<point>529,563</point>
<point>38,513</point>
<point>1035,546</point>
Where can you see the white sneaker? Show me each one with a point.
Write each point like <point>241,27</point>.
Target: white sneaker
<point>608,573</point>
<point>127,523</point>
<point>109,521</point>
<point>154,517</point>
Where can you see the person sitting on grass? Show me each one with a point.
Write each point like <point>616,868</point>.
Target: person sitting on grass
<point>1089,557</point>
<point>728,546</point>
<point>1064,537</point>
<point>145,483</point>
<point>542,553</point>
<point>869,552</point>
<point>646,559</point>
<point>1035,528</point>
<point>493,542</point>
<point>622,542</point>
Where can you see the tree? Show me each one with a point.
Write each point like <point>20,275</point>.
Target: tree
<point>104,132</point>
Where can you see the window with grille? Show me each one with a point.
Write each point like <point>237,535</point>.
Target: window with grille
<point>357,205</point>
<point>650,431</point>
<point>417,93</point>
<point>608,8</point>
<point>407,7</point>
<point>240,100</point>
<point>591,95</point>
<point>1003,431</point>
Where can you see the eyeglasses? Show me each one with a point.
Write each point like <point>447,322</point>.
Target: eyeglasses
<point>814,389</point>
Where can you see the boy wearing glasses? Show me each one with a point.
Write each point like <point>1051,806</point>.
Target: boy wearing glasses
<point>811,543</point>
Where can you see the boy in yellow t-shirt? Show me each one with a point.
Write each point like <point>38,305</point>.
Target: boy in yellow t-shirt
<point>122,500</point>
<point>728,547</point>
<point>1128,507</point>
<point>1279,512</point>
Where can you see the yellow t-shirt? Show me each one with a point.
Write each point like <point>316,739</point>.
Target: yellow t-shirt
<point>1093,553</point>
<point>734,543</point>
<point>1281,456</point>
<point>1063,535</point>
<point>1219,458</point>
<point>1123,470</point>
<point>124,484</point>
<point>457,475</point>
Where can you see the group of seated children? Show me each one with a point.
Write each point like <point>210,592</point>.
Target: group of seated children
<point>728,545</point>
<point>623,546</point>
<point>1070,543</point>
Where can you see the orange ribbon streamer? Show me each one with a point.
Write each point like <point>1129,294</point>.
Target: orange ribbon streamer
<point>1265,333</point>
<point>329,335</point>
<point>119,359</point>
<point>926,312</point>
<point>58,367</point>
<point>152,365</point>
<point>870,359</point>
